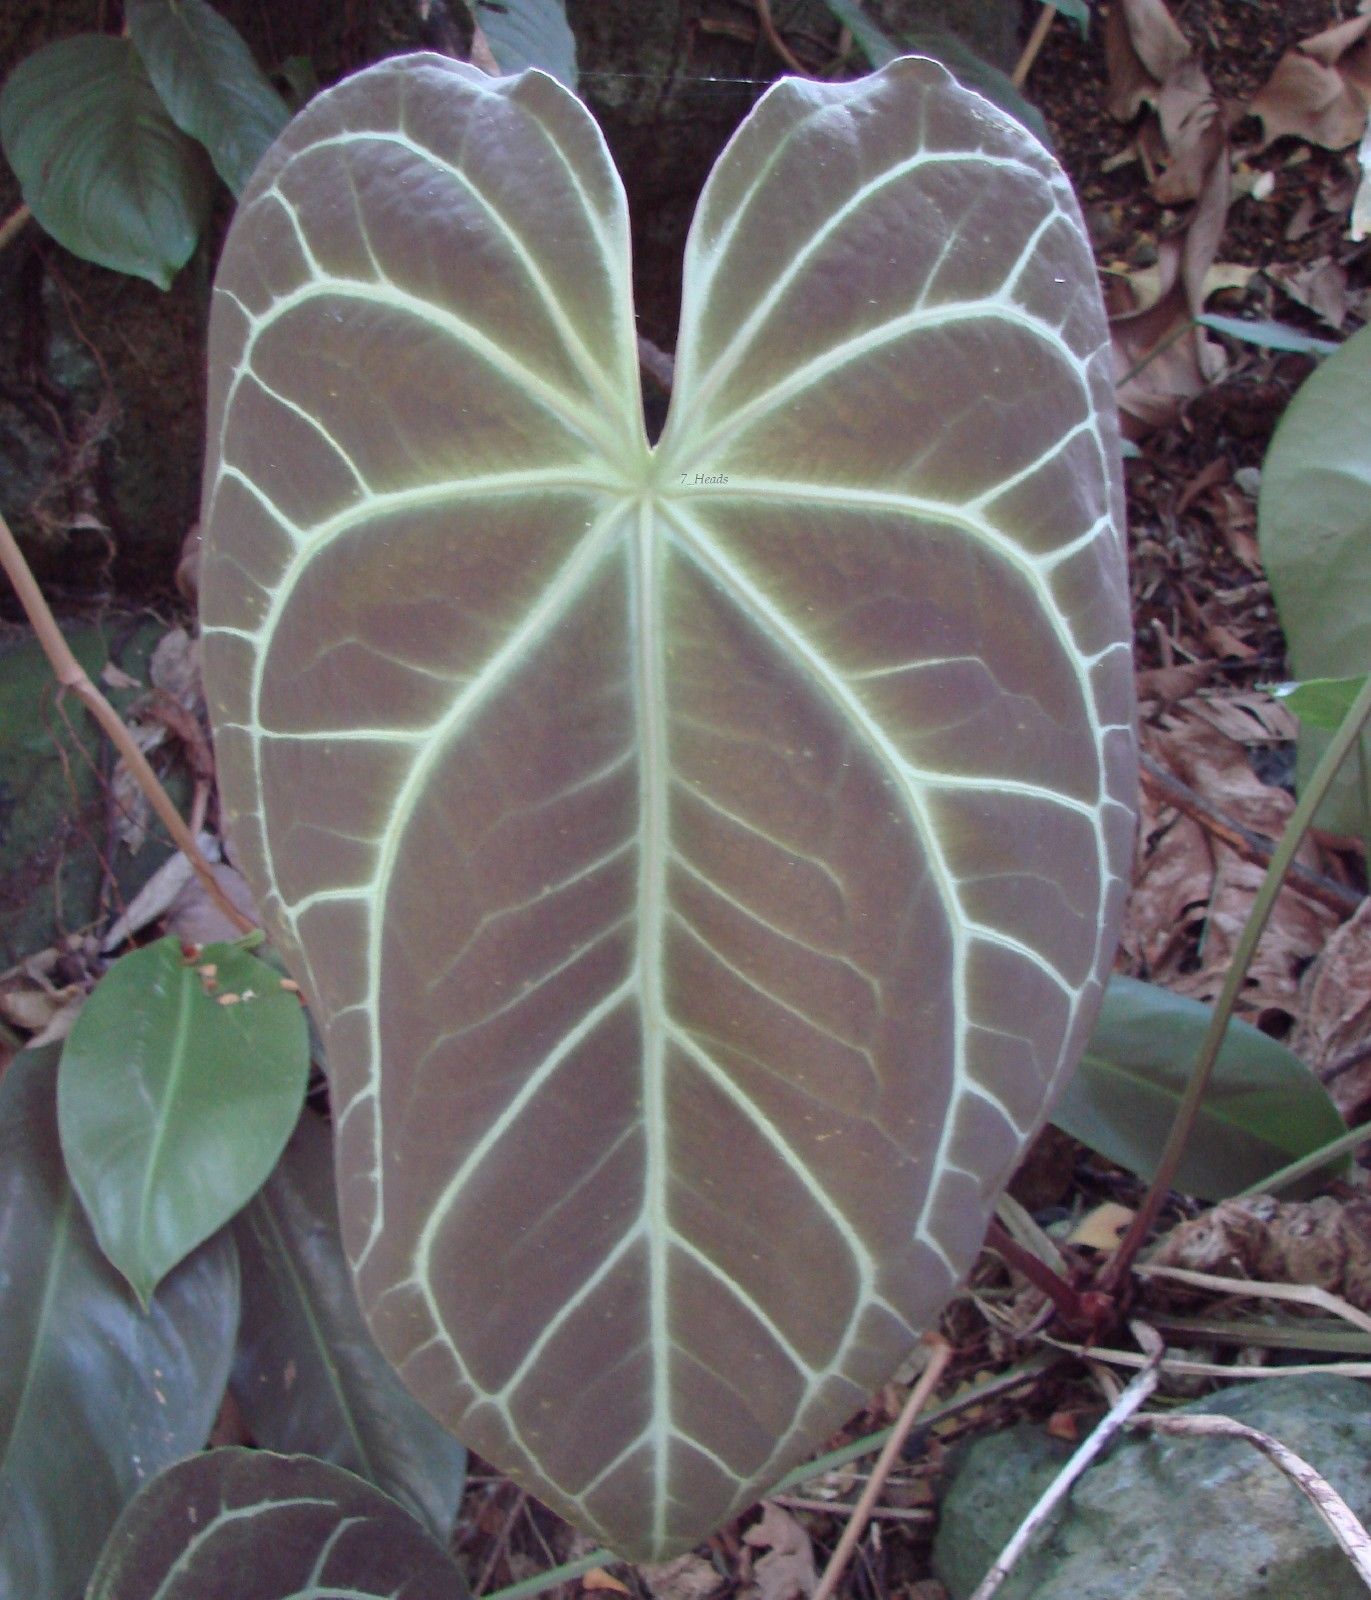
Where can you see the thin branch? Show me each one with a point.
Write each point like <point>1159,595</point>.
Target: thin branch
<point>769,31</point>
<point>1251,846</point>
<point>13,224</point>
<point>1300,1293</point>
<point>1330,1505</point>
<point>939,1354</point>
<point>1036,40</point>
<point>1109,1425</point>
<point>1301,819</point>
<point>72,675</point>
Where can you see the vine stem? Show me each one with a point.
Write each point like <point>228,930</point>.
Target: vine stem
<point>939,1354</point>
<point>1301,819</point>
<point>11,226</point>
<point>70,674</point>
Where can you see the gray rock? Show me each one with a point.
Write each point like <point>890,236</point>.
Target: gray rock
<point>1171,1519</point>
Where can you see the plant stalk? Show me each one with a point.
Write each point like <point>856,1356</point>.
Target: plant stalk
<point>1300,822</point>
<point>70,674</point>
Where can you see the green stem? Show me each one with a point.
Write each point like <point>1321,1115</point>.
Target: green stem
<point>1343,1145</point>
<point>1301,819</point>
<point>542,1581</point>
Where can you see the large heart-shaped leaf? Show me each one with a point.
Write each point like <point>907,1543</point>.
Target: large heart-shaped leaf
<point>308,1377</point>
<point>102,165</point>
<point>249,1525</point>
<point>704,860</point>
<point>95,1395</point>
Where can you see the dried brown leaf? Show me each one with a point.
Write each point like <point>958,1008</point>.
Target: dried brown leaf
<point>688,1577</point>
<point>1334,1022</point>
<point>1321,88</point>
<point>787,1570</point>
<point>1143,48</point>
<point>1324,1243</point>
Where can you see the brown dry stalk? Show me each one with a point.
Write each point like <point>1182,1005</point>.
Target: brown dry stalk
<point>939,1354</point>
<point>1036,40</point>
<point>769,31</point>
<point>70,674</point>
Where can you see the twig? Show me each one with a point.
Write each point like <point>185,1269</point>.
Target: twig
<point>72,675</point>
<point>768,26</point>
<point>1114,1419</point>
<point>11,226</point>
<point>1036,40</point>
<point>1181,1367</point>
<point>1320,780</point>
<point>1330,1505</point>
<point>1304,1294</point>
<point>843,1508</point>
<point>1251,846</point>
<point>939,1354</point>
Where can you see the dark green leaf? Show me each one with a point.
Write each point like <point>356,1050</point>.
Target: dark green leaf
<point>179,1086</point>
<point>250,1525</point>
<point>101,164</point>
<point>1264,1107</point>
<point>95,1395</point>
<point>308,1377</point>
<point>1321,702</point>
<point>208,81</point>
<point>704,858</point>
<point>530,33</point>
<point>1314,528</point>
<point>874,44</point>
<point>1077,11</point>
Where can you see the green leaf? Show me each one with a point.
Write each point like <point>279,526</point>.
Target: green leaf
<point>103,168</point>
<point>1314,529</point>
<point>1077,11</point>
<point>250,1525</point>
<point>874,44</point>
<point>704,860</point>
<point>1267,335</point>
<point>95,1396</point>
<point>1321,702</point>
<point>1264,1107</point>
<point>210,85</point>
<point>530,33</point>
<point>308,1377</point>
<point>178,1090</point>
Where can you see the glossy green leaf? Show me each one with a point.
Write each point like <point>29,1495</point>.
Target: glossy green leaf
<point>208,81</point>
<point>530,33</point>
<point>178,1090</point>
<point>308,1377</point>
<point>1321,702</point>
<point>95,1395</point>
<point>704,860</point>
<point>101,164</point>
<point>250,1525</point>
<point>1314,529</point>
<point>1264,1107</point>
<point>1077,11</point>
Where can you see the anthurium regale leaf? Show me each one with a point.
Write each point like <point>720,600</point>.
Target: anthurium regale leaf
<point>308,1377</point>
<point>1264,1108</point>
<point>705,860</point>
<point>95,1395</point>
<point>252,1525</point>
<point>180,1083</point>
<point>103,167</point>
